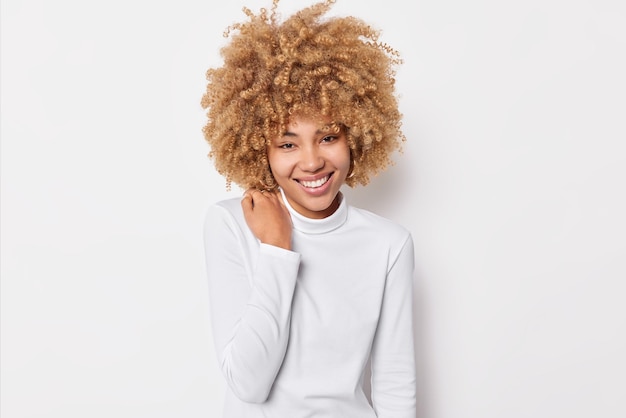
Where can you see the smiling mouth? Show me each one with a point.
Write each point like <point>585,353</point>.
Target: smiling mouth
<point>316,183</point>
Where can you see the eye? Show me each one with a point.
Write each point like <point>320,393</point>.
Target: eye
<point>287,145</point>
<point>329,138</point>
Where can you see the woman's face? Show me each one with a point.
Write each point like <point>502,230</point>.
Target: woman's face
<point>310,166</point>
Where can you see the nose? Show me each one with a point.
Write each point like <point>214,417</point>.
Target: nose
<point>312,159</point>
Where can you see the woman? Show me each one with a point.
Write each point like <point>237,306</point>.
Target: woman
<point>305,289</point>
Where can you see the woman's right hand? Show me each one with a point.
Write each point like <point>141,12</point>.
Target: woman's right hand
<point>267,217</point>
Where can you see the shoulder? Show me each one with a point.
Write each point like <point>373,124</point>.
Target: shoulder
<point>381,235</point>
<point>378,226</point>
<point>231,205</point>
<point>226,212</point>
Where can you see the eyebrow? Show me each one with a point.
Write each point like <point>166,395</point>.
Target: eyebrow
<point>289,133</point>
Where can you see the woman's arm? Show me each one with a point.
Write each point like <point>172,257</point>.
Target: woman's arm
<point>250,318</point>
<point>393,357</point>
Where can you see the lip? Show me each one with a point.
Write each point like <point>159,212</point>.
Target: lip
<point>316,191</point>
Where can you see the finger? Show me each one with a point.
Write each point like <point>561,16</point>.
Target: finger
<point>246,202</point>
<point>259,194</point>
<point>252,193</point>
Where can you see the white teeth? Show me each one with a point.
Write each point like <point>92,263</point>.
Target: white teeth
<point>314,184</point>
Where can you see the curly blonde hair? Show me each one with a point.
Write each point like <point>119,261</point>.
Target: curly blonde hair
<point>335,68</point>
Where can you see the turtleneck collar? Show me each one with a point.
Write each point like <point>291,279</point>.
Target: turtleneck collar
<point>318,226</point>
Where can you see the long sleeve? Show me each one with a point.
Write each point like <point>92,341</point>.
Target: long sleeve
<point>393,360</point>
<point>250,300</point>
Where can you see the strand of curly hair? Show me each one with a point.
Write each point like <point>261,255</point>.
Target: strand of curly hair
<point>306,65</point>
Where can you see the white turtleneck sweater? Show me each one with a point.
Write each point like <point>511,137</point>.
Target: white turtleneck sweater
<point>294,330</point>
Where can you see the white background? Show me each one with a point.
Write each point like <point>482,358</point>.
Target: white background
<point>512,182</point>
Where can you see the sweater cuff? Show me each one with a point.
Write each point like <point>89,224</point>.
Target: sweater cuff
<point>274,251</point>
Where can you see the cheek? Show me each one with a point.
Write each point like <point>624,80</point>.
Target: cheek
<point>342,159</point>
<point>279,165</point>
